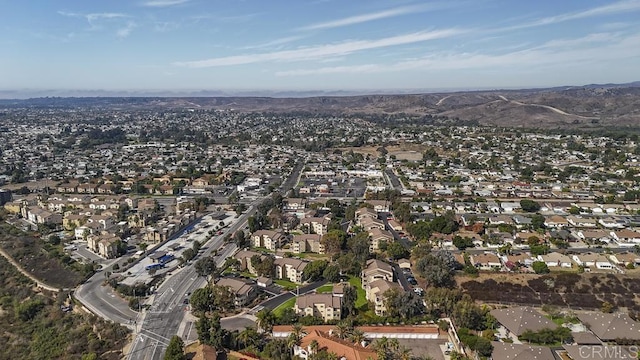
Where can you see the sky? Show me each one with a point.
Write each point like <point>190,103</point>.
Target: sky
<point>326,45</point>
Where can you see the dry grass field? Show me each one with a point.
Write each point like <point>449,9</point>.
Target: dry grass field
<point>587,291</point>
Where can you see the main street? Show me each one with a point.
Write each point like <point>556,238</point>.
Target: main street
<point>167,312</point>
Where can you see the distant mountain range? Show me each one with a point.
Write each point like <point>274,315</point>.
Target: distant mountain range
<point>588,106</point>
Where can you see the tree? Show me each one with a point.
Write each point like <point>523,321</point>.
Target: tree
<point>331,273</point>
<point>188,254</point>
<point>402,212</point>
<point>265,320</point>
<point>211,333</point>
<point>333,241</point>
<point>462,242</point>
<point>540,267</point>
<point>349,296</point>
<point>359,246</point>
<point>240,239</point>
<point>223,297</point>
<point>437,268</point>
<point>537,221</point>
<point>175,349</point>
<point>529,205</point>
<point>264,265</point>
<point>445,224</point>
<point>206,266</point>
<point>607,307</point>
<point>201,299</point>
<point>396,251</point>
<point>314,270</point>
<point>249,337</point>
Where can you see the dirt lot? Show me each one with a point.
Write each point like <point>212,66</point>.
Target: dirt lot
<point>572,290</point>
<point>31,255</point>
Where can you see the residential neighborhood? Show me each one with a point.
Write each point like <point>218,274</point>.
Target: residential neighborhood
<point>456,242</point>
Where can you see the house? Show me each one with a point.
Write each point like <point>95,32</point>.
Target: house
<point>592,259</point>
<point>343,349</point>
<point>379,205</point>
<point>626,236</point>
<point>555,259</point>
<point>405,263</point>
<point>87,188</point>
<point>519,319</point>
<point>294,204</point>
<point>594,236</point>
<point>375,292</point>
<point>244,257</point>
<point>368,224</point>
<point>582,222</point>
<point>290,269</point>
<point>510,207</point>
<point>500,220</point>
<point>307,243</point>
<point>378,236</point>
<point>626,258</point>
<point>375,270</point>
<point>486,261</point>
<point>244,290</point>
<point>555,221</point>
<point>263,282</point>
<point>317,225</point>
<point>365,212</point>
<point>394,225</point>
<point>610,327</point>
<point>521,221</point>
<point>522,259</point>
<point>507,351</point>
<point>267,239</point>
<point>206,352</point>
<point>325,306</point>
<point>104,245</point>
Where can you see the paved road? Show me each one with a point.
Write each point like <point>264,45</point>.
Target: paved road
<point>167,312</point>
<point>395,182</point>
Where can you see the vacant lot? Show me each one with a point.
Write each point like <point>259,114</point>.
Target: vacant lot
<point>586,291</point>
<point>43,261</point>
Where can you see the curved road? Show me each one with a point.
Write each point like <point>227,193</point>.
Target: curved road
<point>165,317</point>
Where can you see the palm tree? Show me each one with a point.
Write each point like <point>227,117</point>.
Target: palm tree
<point>404,353</point>
<point>297,333</point>
<point>250,337</point>
<point>357,336</point>
<point>344,328</point>
<point>314,346</point>
<point>266,319</point>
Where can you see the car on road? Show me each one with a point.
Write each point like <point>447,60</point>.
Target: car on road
<point>186,301</point>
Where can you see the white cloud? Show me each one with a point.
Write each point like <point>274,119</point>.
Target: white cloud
<point>569,52</point>
<point>615,8</point>
<point>126,30</point>
<point>357,19</point>
<point>323,51</point>
<point>276,42</point>
<point>98,21</point>
<point>164,3</point>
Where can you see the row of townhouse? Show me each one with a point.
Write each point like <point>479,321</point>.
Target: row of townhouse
<point>290,269</point>
<point>492,261</point>
<point>377,278</point>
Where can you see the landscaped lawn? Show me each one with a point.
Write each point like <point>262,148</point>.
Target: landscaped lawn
<point>325,289</point>
<point>361,300</point>
<point>313,256</point>
<point>285,305</point>
<point>286,284</point>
